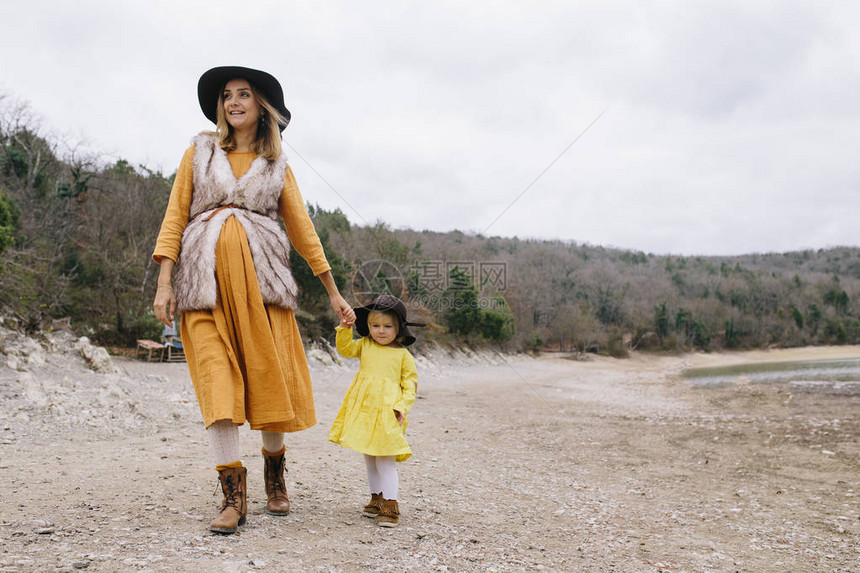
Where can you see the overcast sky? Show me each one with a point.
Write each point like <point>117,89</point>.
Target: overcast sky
<point>726,127</point>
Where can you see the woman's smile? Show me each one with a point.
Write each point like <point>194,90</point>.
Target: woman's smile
<point>240,105</point>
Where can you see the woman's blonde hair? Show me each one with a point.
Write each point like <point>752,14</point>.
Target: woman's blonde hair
<point>267,144</point>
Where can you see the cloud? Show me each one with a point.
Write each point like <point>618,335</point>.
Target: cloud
<point>730,126</point>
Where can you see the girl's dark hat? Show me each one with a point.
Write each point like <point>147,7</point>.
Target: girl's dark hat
<point>386,303</point>
<point>212,82</point>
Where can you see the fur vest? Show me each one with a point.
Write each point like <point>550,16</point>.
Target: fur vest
<point>253,200</point>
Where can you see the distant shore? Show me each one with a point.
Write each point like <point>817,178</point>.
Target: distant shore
<point>732,357</point>
<point>727,358</point>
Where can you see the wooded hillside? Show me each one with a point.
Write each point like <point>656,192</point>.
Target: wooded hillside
<point>76,234</point>
<point>579,297</point>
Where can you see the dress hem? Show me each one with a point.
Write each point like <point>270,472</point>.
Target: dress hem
<point>399,455</point>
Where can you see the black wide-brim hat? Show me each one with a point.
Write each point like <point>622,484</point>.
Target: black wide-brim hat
<point>213,81</point>
<point>386,303</point>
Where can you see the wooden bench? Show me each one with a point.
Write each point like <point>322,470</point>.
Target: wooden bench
<point>175,351</point>
<point>150,347</point>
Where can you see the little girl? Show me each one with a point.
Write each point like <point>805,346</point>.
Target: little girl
<point>373,416</point>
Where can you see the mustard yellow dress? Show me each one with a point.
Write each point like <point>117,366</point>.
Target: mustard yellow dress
<point>386,381</point>
<point>245,358</point>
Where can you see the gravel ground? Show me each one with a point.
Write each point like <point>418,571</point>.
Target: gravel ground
<point>520,464</point>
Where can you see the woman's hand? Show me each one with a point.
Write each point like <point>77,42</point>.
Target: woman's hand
<point>338,304</point>
<point>343,310</point>
<point>165,305</point>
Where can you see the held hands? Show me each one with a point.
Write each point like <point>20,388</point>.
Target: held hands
<point>165,304</point>
<point>343,310</point>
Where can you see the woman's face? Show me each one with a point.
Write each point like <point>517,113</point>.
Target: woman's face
<point>382,327</point>
<point>240,106</point>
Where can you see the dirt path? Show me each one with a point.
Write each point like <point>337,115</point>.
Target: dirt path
<point>529,465</point>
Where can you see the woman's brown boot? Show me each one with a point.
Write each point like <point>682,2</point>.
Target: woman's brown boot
<point>276,487</point>
<point>372,508</point>
<point>235,506</point>
<point>389,514</point>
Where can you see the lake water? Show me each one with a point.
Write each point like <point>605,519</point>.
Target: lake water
<point>833,371</point>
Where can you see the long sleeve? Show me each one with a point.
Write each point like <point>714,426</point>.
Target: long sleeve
<point>176,214</point>
<point>408,384</point>
<point>300,228</point>
<point>347,347</point>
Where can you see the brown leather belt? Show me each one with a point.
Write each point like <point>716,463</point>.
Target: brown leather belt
<point>219,208</point>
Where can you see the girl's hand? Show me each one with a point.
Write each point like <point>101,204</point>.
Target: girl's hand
<point>165,305</point>
<point>400,416</point>
<point>343,310</point>
<point>344,323</point>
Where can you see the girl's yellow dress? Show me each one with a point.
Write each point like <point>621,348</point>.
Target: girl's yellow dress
<point>246,358</point>
<point>386,381</point>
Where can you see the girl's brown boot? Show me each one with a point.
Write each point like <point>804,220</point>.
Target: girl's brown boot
<point>276,487</point>
<point>389,513</point>
<point>372,508</point>
<point>235,505</point>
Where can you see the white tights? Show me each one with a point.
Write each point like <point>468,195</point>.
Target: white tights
<point>224,437</point>
<point>273,441</point>
<point>382,475</point>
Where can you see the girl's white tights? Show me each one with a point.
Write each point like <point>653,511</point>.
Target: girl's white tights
<point>224,437</point>
<point>382,475</point>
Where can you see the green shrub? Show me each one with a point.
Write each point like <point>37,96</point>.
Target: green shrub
<point>496,325</point>
<point>533,342</point>
<point>463,315</point>
<point>143,327</point>
<point>615,345</point>
<point>834,331</point>
<point>497,322</point>
<point>9,217</point>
